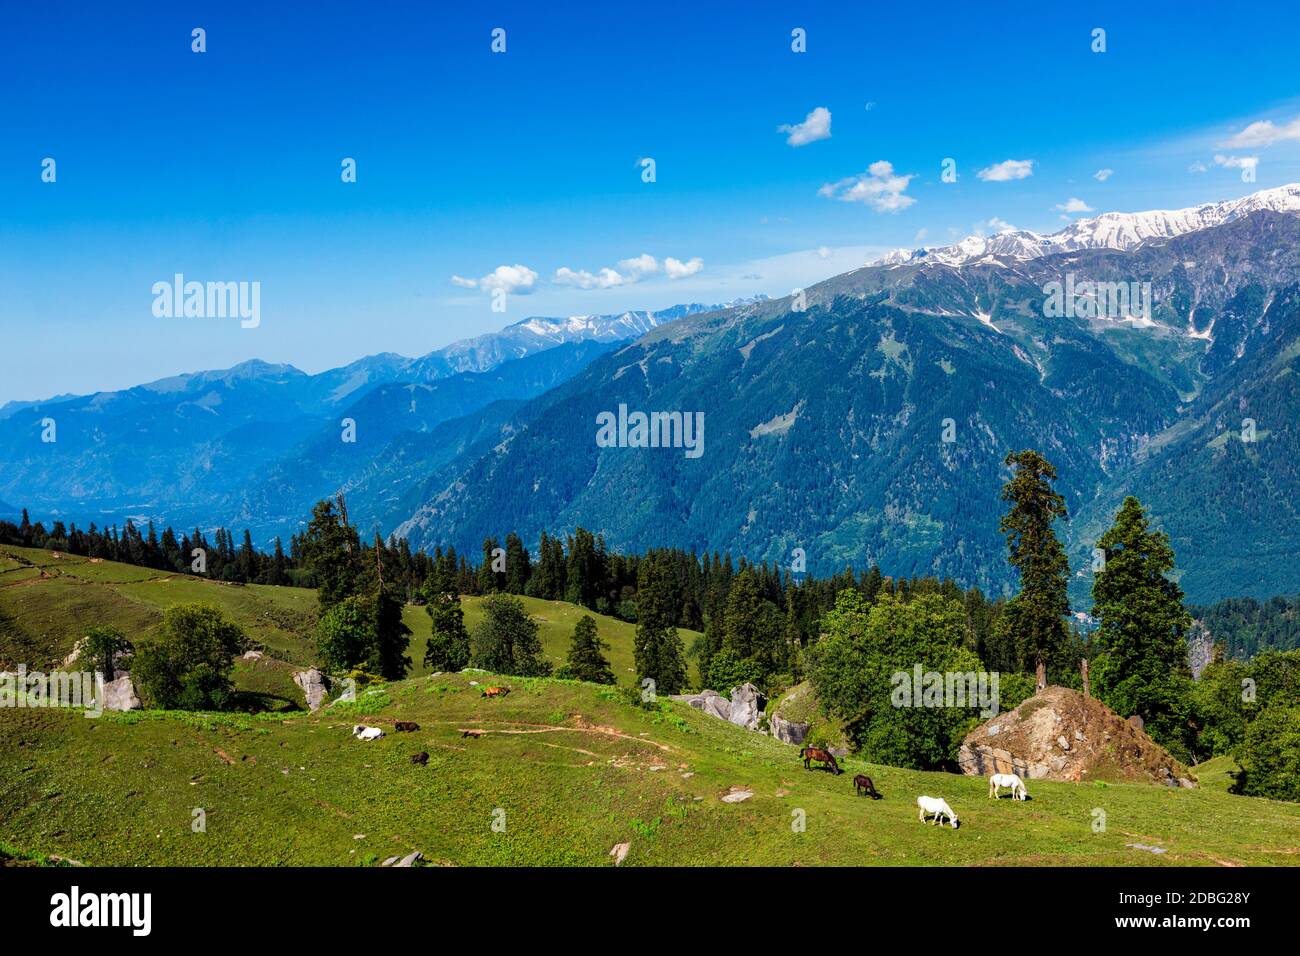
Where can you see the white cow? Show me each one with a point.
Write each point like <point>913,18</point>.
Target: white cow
<point>1011,780</point>
<point>362,732</point>
<point>938,808</point>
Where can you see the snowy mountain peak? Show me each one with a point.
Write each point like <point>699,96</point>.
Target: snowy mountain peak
<point>1111,230</point>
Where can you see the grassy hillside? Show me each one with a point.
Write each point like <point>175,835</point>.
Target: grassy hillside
<point>575,770</point>
<point>47,601</point>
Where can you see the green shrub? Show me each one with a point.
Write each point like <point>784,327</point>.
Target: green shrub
<point>1269,755</point>
<point>188,667</point>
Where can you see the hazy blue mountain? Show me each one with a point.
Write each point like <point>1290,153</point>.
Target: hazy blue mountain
<point>824,426</point>
<point>389,425</point>
<point>238,444</point>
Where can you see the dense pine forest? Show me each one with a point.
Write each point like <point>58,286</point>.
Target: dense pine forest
<point>1245,627</point>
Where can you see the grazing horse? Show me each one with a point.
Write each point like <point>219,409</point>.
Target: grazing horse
<point>1011,780</point>
<point>422,758</point>
<point>938,808</point>
<point>495,691</point>
<point>406,726</point>
<point>825,757</point>
<point>471,733</point>
<point>862,784</point>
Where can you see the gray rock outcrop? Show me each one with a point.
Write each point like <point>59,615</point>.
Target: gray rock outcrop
<point>119,694</point>
<point>744,709</point>
<point>787,731</point>
<point>315,687</point>
<point>746,706</point>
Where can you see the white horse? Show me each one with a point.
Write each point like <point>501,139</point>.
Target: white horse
<point>938,808</point>
<point>362,732</point>
<point>1010,780</point>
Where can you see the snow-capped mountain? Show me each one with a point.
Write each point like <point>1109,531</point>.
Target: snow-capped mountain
<point>537,333</point>
<point>1111,230</point>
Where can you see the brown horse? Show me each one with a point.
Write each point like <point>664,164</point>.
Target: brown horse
<point>422,758</point>
<point>825,757</point>
<point>406,726</point>
<point>495,691</point>
<point>862,784</point>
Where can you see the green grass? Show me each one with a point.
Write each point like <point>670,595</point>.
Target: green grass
<point>41,618</point>
<point>574,767</point>
<point>575,770</point>
<point>556,621</point>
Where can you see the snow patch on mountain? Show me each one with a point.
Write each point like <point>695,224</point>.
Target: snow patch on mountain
<point>1111,230</point>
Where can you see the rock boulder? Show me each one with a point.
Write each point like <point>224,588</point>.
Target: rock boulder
<point>119,694</point>
<point>315,687</point>
<point>744,709</point>
<point>1034,741</point>
<point>746,706</point>
<point>787,731</point>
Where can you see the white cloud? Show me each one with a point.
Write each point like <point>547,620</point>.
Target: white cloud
<point>1072,205</point>
<point>676,269</point>
<point>1007,170</point>
<point>640,266</point>
<point>919,237</point>
<point>1102,175</point>
<point>824,252</point>
<point>1197,167</point>
<point>582,279</point>
<point>1236,162</point>
<point>816,125</point>
<point>997,225</point>
<point>1263,133</point>
<point>627,272</point>
<point>516,279</point>
<point>879,187</point>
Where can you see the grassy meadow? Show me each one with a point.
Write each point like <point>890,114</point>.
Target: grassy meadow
<point>559,774</point>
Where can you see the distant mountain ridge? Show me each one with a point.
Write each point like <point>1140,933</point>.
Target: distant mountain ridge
<point>255,444</point>
<point>826,416</point>
<point>1112,230</point>
<point>478,354</point>
<point>540,332</point>
<point>824,424</point>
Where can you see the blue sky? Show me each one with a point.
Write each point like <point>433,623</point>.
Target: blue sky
<point>225,165</point>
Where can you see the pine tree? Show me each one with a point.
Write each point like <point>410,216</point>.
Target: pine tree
<point>586,570</point>
<point>278,573</point>
<point>518,565</point>
<point>331,551</point>
<point>1141,667</point>
<point>658,652</point>
<point>1035,618</point>
<point>489,580</point>
<point>392,638</point>
<point>448,648</point>
<point>871,584</point>
<point>246,562</point>
<point>742,633</point>
<point>585,661</point>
